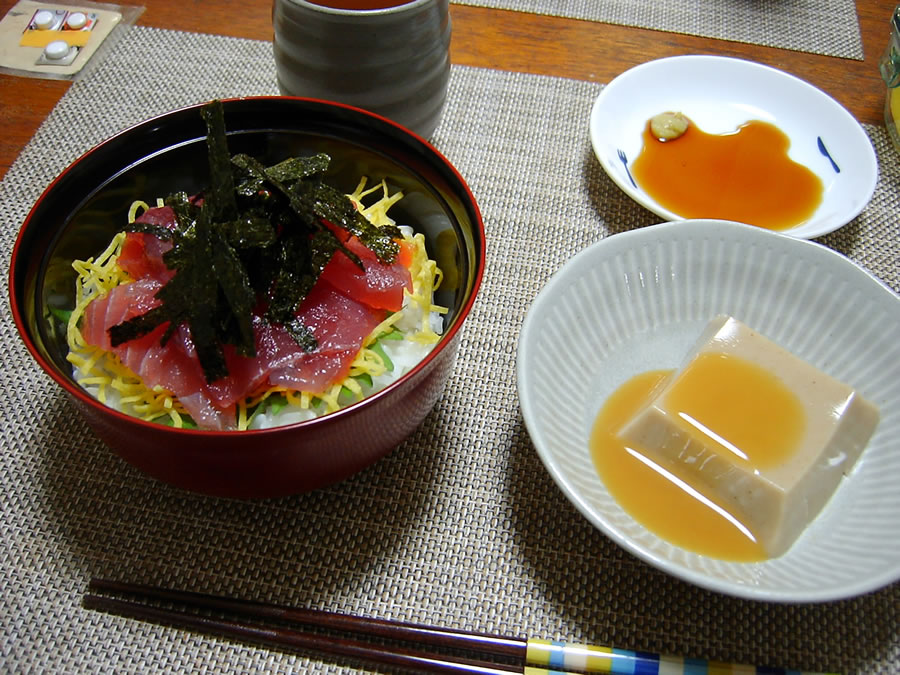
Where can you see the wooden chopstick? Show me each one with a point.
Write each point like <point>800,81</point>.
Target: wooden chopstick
<point>391,655</point>
<point>422,634</point>
<point>481,653</point>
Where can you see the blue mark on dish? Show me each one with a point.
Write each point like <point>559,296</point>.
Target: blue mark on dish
<point>825,152</point>
<point>624,160</point>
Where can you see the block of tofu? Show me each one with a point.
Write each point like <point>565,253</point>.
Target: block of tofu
<point>759,431</point>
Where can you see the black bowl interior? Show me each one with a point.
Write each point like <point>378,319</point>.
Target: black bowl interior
<point>81,211</point>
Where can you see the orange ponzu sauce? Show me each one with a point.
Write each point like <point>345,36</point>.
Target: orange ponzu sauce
<point>745,176</point>
<point>763,419</point>
<point>760,419</point>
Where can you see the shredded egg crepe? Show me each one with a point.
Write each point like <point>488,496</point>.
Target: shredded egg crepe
<point>394,347</point>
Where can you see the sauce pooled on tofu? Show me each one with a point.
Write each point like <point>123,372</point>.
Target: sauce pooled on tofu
<point>655,495</point>
<point>734,454</point>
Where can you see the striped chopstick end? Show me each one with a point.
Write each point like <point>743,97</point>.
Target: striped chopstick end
<point>550,656</point>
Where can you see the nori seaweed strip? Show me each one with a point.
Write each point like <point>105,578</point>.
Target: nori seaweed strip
<point>190,297</point>
<point>202,288</point>
<point>256,232</point>
<point>138,326</point>
<point>261,265</point>
<point>334,206</point>
<point>179,256</point>
<point>305,198</point>
<point>302,335</point>
<point>300,264</point>
<point>220,196</point>
<point>292,279</point>
<point>257,171</point>
<point>299,168</point>
<point>248,232</point>
<point>235,285</point>
<point>159,231</point>
<point>303,204</point>
<point>286,171</point>
<point>186,213</point>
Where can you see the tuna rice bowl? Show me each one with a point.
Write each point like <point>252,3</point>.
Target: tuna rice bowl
<point>269,297</point>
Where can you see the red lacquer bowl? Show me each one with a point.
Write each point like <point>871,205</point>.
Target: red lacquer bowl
<point>81,210</point>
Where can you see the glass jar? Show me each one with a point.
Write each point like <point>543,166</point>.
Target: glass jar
<point>890,73</point>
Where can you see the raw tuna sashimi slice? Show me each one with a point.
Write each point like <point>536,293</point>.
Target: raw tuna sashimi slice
<point>163,216</point>
<point>245,375</point>
<point>173,366</point>
<point>142,253</point>
<point>177,369</point>
<point>142,256</point>
<point>379,286</point>
<point>121,303</point>
<point>206,414</point>
<point>314,372</point>
<point>340,317</point>
<point>339,324</point>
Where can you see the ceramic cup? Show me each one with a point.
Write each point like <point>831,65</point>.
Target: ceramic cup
<point>393,60</point>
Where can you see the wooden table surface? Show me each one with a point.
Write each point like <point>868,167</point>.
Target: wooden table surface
<point>513,41</point>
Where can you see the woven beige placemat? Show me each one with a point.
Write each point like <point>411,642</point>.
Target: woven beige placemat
<point>460,525</point>
<point>828,27</point>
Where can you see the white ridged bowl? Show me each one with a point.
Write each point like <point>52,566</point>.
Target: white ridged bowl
<point>637,301</point>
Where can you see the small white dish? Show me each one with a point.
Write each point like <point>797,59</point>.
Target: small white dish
<point>721,93</point>
<point>637,301</point>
